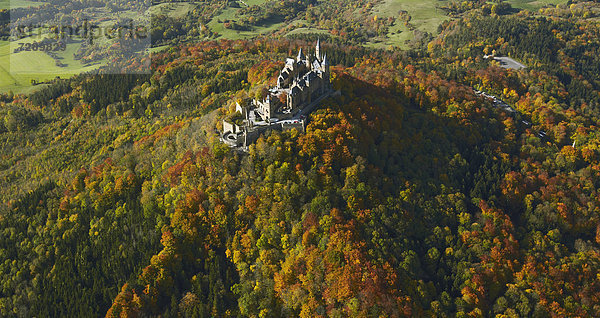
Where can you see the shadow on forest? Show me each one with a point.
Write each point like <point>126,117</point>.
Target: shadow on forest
<point>425,148</point>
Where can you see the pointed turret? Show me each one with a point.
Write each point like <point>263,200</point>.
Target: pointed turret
<point>318,49</point>
<point>325,69</point>
<point>325,64</point>
<point>301,56</point>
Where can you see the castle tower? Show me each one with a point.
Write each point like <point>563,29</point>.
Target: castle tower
<point>325,65</point>
<point>318,50</point>
<point>301,56</point>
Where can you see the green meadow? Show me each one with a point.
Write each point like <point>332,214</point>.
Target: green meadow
<point>216,23</point>
<point>534,5</point>
<point>7,4</point>
<point>173,10</point>
<point>426,16</point>
<point>307,30</point>
<point>20,70</point>
<point>17,70</point>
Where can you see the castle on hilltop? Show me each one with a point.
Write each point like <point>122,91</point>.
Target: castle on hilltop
<point>302,84</point>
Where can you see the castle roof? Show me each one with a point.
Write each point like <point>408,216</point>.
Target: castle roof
<point>316,65</point>
<point>295,90</point>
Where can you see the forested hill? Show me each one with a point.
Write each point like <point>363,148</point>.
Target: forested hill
<point>408,195</point>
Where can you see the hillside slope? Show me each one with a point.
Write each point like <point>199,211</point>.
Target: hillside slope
<point>408,195</point>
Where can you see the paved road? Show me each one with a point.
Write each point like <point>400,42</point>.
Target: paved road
<point>497,101</point>
<point>507,62</point>
<point>500,103</point>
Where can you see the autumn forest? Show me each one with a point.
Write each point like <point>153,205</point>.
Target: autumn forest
<point>409,195</point>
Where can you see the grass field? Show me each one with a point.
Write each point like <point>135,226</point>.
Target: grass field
<point>230,14</point>
<point>307,30</point>
<point>253,2</point>
<point>7,4</point>
<point>425,16</point>
<point>173,10</point>
<point>534,5</point>
<point>18,69</point>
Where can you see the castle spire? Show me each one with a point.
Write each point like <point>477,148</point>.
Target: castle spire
<point>318,49</point>
<point>325,65</point>
<point>300,55</point>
